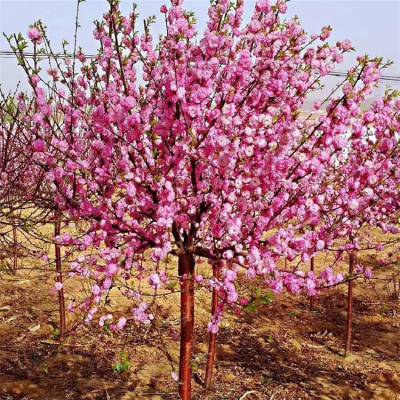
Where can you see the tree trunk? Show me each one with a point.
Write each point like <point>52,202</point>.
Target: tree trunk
<point>186,271</point>
<point>349,305</point>
<point>59,278</point>
<point>15,253</point>
<point>212,341</point>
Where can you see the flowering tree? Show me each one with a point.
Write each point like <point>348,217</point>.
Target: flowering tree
<point>27,202</point>
<point>15,176</point>
<point>361,190</point>
<point>193,147</point>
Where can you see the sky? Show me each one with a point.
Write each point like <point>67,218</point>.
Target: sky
<point>373,26</point>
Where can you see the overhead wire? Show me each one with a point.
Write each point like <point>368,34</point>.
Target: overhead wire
<point>8,54</point>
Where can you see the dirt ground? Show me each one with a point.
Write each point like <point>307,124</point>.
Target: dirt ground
<point>279,351</point>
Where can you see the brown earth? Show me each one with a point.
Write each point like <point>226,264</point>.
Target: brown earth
<point>279,351</point>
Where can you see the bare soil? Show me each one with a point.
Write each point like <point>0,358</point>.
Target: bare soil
<point>280,351</point>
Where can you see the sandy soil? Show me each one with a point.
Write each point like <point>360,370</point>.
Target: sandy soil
<point>279,351</point>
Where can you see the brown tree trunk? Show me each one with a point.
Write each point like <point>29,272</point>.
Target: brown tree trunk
<point>186,271</point>
<point>15,252</point>
<point>59,278</point>
<point>212,341</point>
<point>349,305</point>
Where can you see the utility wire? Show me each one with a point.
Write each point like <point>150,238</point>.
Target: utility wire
<point>4,54</point>
<point>393,78</point>
<point>10,54</point>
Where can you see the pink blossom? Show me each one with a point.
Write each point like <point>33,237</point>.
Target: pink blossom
<point>230,275</point>
<point>228,254</point>
<point>325,32</point>
<point>39,146</point>
<point>35,80</point>
<point>368,273</point>
<point>181,93</point>
<point>353,204</point>
<point>174,376</point>
<point>155,281</point>
<point>213,327</point>
<point>96,290</point>
<point>112,269</point>
<point>141,315</point>
<point>105,318</point>
<point>107,42</point>
<point>121,323</point>
<point>35,35</point>
<point>345,45</point>
<point>263,6</point>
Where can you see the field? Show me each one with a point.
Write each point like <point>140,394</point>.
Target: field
<point>281,350</point>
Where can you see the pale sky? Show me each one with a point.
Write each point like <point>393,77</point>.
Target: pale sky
<point>373,26</point>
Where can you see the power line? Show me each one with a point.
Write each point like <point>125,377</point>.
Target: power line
<point>393,78</point>
<point>4,54</point>
<point>11,54</point>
